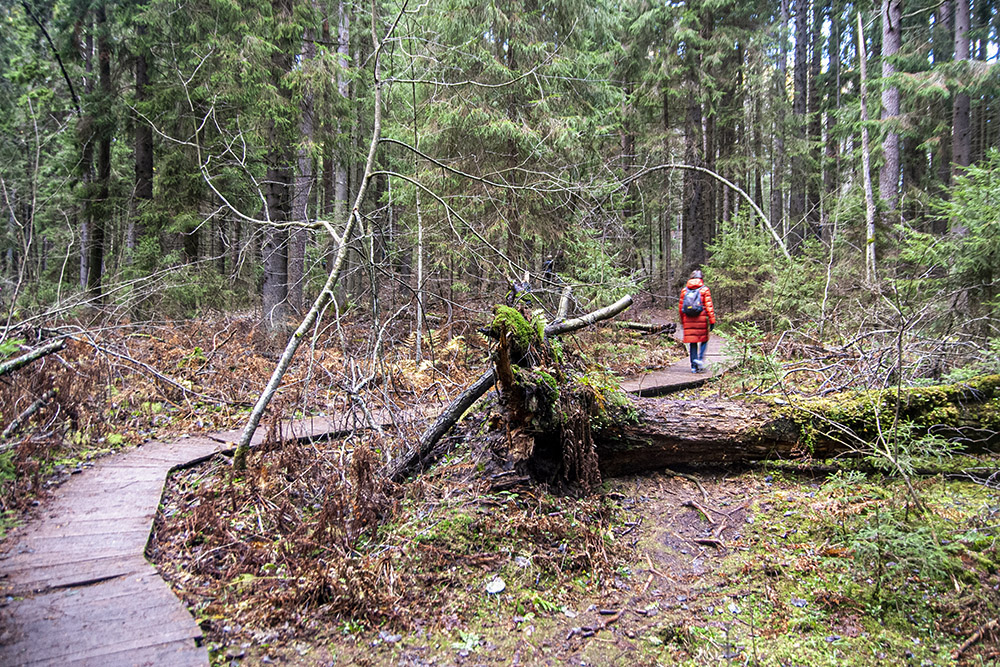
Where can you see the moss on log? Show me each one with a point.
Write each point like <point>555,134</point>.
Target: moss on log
<point>663,432</point>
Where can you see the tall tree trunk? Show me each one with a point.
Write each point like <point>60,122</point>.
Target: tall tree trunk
<point>693,231</point>
<point>961,130</point>
<point>330,130</point>
<point>274,291</point>
<point>709,209</point>
<point>980,115</point>
<point>797,201</point>
<point>143,144</point>
<point>943,42</point>
<point>298,237</point>
<point>628,157</point>
<point>341,161</point>
<point>779,159</point>
<point>892,39</point>
<point>100,208</point>
<point>757,150</point>
<point>86,135</point>
<point>666,226</point>
<point>870,274</point>
<point>815,171</point>
<point>831,166</point>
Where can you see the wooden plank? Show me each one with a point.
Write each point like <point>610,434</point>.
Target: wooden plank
<point>112,600</point>
<point>179,653</point>
<point>112,514</point>
<point>121,616</point>
<point>92,597</point>
<point>67,557</point>
<point>104,531</point>
<point>110,531</point>
<point>677,376</point>
<point>97,644</point>
<point>28,580</point>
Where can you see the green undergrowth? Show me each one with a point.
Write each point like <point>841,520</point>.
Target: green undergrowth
<point>844,571</point>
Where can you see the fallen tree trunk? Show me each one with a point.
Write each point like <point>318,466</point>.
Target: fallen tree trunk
<point>19,420</point>
<point>661,432</point>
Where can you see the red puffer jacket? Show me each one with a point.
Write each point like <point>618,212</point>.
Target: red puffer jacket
<point>696,328</point>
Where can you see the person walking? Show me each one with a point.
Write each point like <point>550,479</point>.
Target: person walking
<point>697,318</point>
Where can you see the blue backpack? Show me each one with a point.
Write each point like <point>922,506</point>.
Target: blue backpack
<point>692,305</point>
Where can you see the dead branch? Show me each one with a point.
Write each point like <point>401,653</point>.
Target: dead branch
<point>152,371</point>
<point>402,466</point>
<point>690,478</point>
<point>669,328</point>
<point>36,354</point>
<point>989,626</point>
<point>16,423</point>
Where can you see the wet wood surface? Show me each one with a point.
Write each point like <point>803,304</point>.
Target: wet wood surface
<point>677,376</point>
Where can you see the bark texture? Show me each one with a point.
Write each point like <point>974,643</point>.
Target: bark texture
<point>892,41</point>
<point>664,432</point>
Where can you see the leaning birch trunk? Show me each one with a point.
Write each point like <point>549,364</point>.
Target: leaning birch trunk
<point>412,460</point>
<point>326,294</point>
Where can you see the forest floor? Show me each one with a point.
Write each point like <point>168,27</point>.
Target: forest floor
<point>768,565</point>
<point>762,566</point>
<point>307,559</point>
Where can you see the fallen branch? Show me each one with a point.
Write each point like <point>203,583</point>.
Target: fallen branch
<point>690,478</point>
<point>37,405</point>
<point>152,371</point>
<point>989,626</point>
<point>669,327</point>
<point>556,328</point>
<point>399,468</point>
<point>34,355</point>
<point>402,466</point>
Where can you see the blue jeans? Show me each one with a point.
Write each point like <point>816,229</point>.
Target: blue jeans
<point>698,354</point>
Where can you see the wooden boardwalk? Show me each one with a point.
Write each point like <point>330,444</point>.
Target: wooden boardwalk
<point>678,376</point>
<point>77,589</point>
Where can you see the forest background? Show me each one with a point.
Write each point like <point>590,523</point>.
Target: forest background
<point>189,187</point>
<point>163,159</point>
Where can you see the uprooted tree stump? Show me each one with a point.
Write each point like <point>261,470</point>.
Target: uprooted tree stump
<point>547,404</point>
